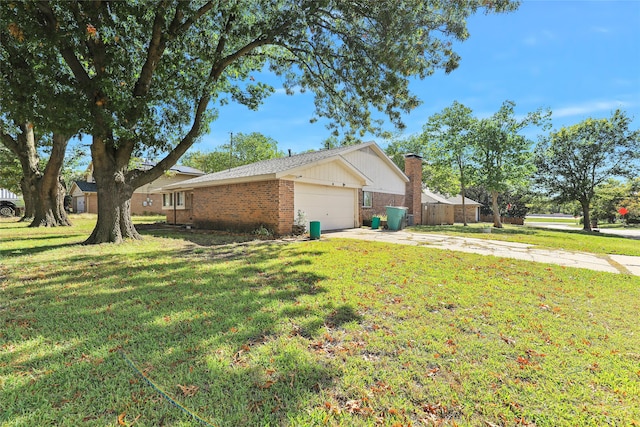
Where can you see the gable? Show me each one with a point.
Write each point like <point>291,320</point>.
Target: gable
<point>384,175</point>
<point>335,172</point>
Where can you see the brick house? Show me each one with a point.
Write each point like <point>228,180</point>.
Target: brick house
<point>144,201</point>
<point>338,187</point>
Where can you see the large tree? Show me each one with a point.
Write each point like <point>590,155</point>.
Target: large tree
<point>575,160</point>
<point>33,118</point>
<point>241,150</point>
<point>502,155</point>
<point>152,73</point>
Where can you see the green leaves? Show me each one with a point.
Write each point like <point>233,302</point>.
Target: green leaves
<point>575,160</point>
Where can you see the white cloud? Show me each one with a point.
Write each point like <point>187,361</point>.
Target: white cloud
<point>602,30</point>
<point>283,91</point>
<point>588,108</point>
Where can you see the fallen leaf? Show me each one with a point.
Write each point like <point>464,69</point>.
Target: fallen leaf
<point>188,391</point>
<point>121,421</point>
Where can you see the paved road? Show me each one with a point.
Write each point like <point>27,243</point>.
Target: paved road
<point>609,263</point>
<point>632,233</point>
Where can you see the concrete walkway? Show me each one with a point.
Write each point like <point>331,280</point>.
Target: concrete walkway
<point>609,263</point>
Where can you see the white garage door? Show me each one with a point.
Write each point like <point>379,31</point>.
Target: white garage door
<point>334,207</point>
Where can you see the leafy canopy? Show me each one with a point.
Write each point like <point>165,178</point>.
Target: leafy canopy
<point>242,149</point>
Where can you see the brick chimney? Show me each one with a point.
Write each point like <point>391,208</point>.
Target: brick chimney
<point>413,191</point>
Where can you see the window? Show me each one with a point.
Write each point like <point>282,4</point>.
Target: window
<point>367,199</point>
<point>180,198</point>
<point>167,200</point>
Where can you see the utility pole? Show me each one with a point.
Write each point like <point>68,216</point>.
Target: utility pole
<point>230,149</point>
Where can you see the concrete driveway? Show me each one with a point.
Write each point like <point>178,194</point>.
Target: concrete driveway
<point>610,263</point>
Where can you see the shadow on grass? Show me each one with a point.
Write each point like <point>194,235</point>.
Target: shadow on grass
<point>218,324</point>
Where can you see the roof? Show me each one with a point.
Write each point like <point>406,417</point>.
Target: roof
<point>185,170</point>
<point>87,187</point>
<point>275,168</point>
<point>429,196</point>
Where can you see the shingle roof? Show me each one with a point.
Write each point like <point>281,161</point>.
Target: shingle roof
<point>457,200</point>
<point>271,166</point>
<point>87,187</point>
<point>429,196</point>
<point>187,170</point>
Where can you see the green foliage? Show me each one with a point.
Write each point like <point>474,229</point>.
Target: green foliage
<point>502,154</point>
<point>447,148</point>
<point>242,150</point>
<point>575,160</point>
<point>146,78</point>
<point>10,171</point>
<point>608,198</point>
<point>331,332</point>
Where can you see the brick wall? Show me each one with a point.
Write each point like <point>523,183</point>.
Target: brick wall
<point>413,170</point>
<point>379,203</point>
<point>245,206</point>
<point>138,207</point>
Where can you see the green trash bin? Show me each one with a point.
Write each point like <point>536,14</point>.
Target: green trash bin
<point>395,217</point>
<point>375,222</point>
<point>314,230</point>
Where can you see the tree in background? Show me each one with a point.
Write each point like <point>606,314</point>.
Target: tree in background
<point>632,202</point>
<point>607,200</point>
<point>150,74</point>
<point>10,171</point>
<point>575,160</point>
<point>502,156</point>
<point>447,147</point>
<point>35,118</point>
<point>612,195</point>
<point>436,178</point>
<point>242,149</point>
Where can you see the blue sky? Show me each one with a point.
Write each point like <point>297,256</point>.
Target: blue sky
<point>578,58</point>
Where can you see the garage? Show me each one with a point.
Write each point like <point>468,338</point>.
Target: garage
<point>334,207</point>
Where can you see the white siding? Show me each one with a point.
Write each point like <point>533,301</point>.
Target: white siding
<point>335,174</point>
<point>7,195</point>
<point>384,179</point>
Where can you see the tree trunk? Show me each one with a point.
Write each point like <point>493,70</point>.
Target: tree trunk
<point>464,208</point>
<point>49,201</point>
<point>114,198</point>
<point>497,222</point>
<point>42,191</point>
<point>586,218</point>
<point>28,186</point>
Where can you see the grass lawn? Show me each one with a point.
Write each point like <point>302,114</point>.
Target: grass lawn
<point>534,219</point>
<point>571,240</point>
<point>330,332</point>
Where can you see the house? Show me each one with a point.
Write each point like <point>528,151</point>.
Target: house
<point>144,200</point>
<point>337,187</point>
<point>439,209</point>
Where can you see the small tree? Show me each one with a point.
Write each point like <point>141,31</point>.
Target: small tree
<point>502,155</point>
<point>575,160</point>
<point>242,149</point>
<point>446,138</point>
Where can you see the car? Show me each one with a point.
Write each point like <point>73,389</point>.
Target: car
<point>8,208</point>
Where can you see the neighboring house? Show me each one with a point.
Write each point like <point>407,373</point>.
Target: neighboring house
<point>337,187</point>
<point>10,203</point>
<point>144,200</point>
<point>439,209</point>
